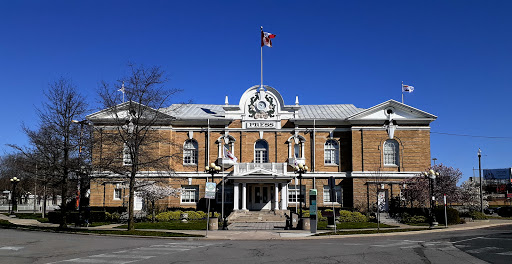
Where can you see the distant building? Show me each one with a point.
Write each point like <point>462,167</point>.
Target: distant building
<point>367,151</point>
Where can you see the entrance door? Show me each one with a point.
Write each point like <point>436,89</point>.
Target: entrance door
<point>260,197</point>
<point>383,201</point>
<point>137,202</point>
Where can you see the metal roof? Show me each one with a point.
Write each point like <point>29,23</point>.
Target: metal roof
<point>195,111</point>
<point>335,111</point>
<point>210,111</point>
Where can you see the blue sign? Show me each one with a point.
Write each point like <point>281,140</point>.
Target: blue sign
<point>497,174</point>
<point>210,190</point>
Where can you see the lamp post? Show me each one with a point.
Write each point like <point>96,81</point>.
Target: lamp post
<point>14,182</point>
<point>212,169</point>
<point>300,169</point>
<point>79,178</point>
<point>480,175</point>
<point>431,175</point>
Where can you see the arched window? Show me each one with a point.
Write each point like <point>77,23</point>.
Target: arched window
<point>391,153</point>
<point>190,152</point>
<point>261,151</point>
<point>331,152</point>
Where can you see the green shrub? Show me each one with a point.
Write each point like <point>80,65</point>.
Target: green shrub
<point>477,215</point>
<point>351,217</point>
<point>415,219</point>
<point>168,216</point>
<point>452,214</point>
<point>112,217</point>
<point>195,215</point>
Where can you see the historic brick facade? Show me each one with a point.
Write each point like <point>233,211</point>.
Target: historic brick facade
<point>367,151</point>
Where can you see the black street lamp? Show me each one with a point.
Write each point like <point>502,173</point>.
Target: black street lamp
<point>431,175</point>
<point>300,169</point>
<point>480,176</point>
<point>212,169</point>
<point>14,182</point>
<point>80,171</point>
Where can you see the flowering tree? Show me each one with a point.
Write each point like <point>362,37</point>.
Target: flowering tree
<point>152,192</point>
<point>470,196</point>
<point>417,189</point>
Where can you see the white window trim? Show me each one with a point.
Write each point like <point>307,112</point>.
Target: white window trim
<point>194,152</point>
<point>338,189</point>
<point>396,147</point>
<point>291,188</point>
<point>127,159</point>
<point>335,151</point>
<point>196,194</point>
<point>266,158</point>
<point>120,194</point>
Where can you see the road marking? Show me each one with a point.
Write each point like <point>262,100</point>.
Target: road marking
<point>121,256</point>
<point>509,253</point>
<point>481,250</point>
<point>87,260</point>
<point>466,240</point>
<point>400,243</point>
<point>11,248</point>
<point>137,254</point>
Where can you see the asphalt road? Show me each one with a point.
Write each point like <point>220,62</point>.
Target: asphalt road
<point>492,245</point>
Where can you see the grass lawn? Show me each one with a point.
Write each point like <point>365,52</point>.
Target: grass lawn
<point>7,224</point>
<point>172,225</point>
<point>32,216</point>
<point>322,225</point>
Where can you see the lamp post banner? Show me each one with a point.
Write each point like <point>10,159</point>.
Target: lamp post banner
<point>210,190</point>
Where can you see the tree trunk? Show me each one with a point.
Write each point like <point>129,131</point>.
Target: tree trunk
<point>153,210</point>
<point>131,221</point>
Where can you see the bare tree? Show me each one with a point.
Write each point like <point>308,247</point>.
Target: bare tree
<point>63,105</point>
<point>131,133</point>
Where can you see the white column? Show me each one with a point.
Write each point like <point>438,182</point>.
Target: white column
<point>244,196</point>
<point>284,196</point>
<point>236,189</point>
<point>276,196</point>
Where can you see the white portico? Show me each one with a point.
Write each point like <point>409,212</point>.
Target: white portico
<point>260,186</point>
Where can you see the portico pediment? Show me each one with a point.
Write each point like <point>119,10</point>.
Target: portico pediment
<point>261,172</point>
<point>392,110</point>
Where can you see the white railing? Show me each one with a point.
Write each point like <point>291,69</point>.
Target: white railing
<point>275,168</point>
<point>296,161</point>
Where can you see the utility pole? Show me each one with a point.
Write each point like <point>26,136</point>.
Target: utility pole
<point>480,174</point>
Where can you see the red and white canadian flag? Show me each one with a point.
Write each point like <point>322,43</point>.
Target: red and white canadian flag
<point>266,39</point>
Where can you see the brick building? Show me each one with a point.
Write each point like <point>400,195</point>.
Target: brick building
<point>367,151</point>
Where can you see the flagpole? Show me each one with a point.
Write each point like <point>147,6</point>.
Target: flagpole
<point>402,92</point>
<point>261,53</point>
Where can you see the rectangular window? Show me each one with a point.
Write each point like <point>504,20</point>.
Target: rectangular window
<point>296,149</point>
<point>127,159</point>
<point>327,194</point>
<point>117,193</point>
<point>190,194</point>
<point>294,194</point>
<point>228,194</point>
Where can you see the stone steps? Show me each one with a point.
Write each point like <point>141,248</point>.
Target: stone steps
<point>257,216</point>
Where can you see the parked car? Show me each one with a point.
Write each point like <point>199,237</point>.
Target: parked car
<point>505,211</point>
<point>490,210</point>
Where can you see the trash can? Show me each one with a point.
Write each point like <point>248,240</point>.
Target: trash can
<point>305,224</point>
<point>213,224</point>
<point>295,220</point>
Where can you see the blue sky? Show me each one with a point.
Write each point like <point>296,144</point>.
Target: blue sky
<point>455,53</point>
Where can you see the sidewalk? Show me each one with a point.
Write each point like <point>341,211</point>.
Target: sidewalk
<point>252,233</point>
